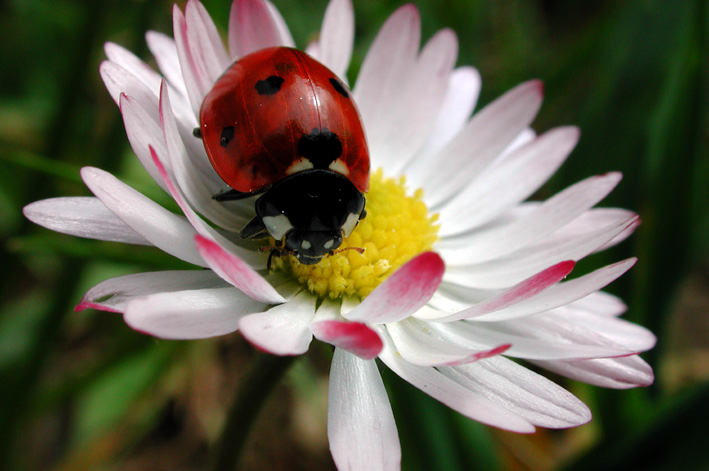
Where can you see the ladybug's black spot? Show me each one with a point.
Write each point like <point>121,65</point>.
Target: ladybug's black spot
<point>227,136</point>
<point>270,85</point>
<point>320,147</point>
<point>339,88</point>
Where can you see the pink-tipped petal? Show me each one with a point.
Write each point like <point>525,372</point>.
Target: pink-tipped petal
<point>252,26</point>
<point>563,293</point>
<point>520,390</point>
<point>544,220</point>
<point>114,293</point>
<point>454,395</point>
<point>418,344</point>
<point>354,337</point>
<point>543,342</point>
<point>404,292</point>
<point>282,330</point>
<point>360,423</point>
<point>82,217</point>
<point>522,291</point>
<point>198,224</point>
<point>562,245</point>
<point>337,36</point>
<point>194,314</point>
<point>616,373</point>
<point>509,182</point>
<point>165,230</point>
<point>119,81</point>
<point>237,272</point>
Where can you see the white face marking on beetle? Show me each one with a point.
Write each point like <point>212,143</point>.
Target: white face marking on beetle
<point>277,226</point>
<point>328,245</point>
<point>299,166</point>
<point>350,224</point>
<point>305,245</point>
<point>339,167</point>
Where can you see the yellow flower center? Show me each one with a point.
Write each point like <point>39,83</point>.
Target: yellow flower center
<point>396,229</point>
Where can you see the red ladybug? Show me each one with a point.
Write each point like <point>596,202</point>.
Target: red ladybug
<point>280,123</point>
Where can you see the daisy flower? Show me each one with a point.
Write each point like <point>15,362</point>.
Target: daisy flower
<point>459,272</point>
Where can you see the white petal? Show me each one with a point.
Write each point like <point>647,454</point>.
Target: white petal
<point>165,230</point>
<point>414,106</point>
<point>142,131</point>
<point>511,181</point>
<point>165,52</point>
<point>522,391</point>
<point>454,395</point>
<point>619,331</point>
<point>456,107</point>
<point>418,344</point>
<point>194,314</point>
<point>206,46</point>
<point>388,64</point>
<point>114,293</point>
<point>197,82</point>
<point>82,217</point>
<point>253,26</point>
<point>548,217</point>
<point>487,134</point>
<point>617,373</point>
<point>131,63</point>
<point>525,341</point>
<point>360,424</point>
<point>512,269</point>
<point>282,330</point>
<point>337,36</point>
<point>286,39</point>
<point>601,303</point>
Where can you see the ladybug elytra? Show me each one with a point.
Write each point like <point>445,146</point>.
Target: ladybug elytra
<point>280,124</point>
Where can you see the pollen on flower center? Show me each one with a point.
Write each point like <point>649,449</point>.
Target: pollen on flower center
<point>397,228</point>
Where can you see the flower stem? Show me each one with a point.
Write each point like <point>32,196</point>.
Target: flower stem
<point>264,373</point>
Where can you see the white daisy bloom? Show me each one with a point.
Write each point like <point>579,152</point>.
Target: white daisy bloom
<point>458,272</point>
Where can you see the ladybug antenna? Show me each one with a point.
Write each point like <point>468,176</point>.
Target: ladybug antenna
<point>359,250</point>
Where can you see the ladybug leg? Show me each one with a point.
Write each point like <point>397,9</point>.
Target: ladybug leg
<point>255,229</point>
<point>197,132</point>
<point>274,253</point>
<point>233,195</point>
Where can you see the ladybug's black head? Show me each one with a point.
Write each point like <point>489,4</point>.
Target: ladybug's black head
<point>310,212</point>
<point>309,247</point>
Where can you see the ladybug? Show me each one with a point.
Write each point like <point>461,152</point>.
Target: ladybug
<point>280,124</point>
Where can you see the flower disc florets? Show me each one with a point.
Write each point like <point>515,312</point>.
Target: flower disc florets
<point>397,228</point>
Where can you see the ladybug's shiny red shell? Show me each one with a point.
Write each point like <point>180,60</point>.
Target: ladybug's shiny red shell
<point>277,112</point>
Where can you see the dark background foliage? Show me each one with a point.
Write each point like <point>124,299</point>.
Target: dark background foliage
<point>83,391</point>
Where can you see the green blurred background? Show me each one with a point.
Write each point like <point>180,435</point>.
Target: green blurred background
<point>83,391</point>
